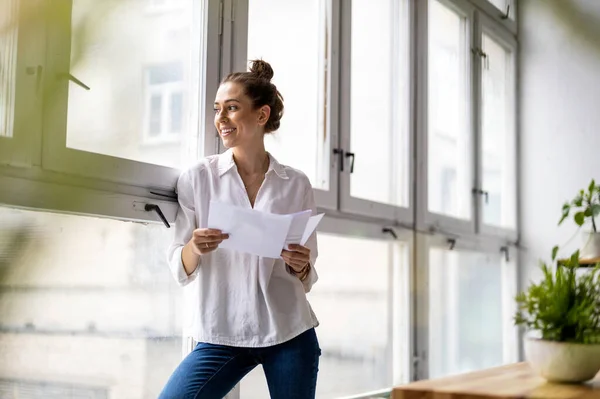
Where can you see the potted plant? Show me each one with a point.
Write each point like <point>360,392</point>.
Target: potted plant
<point>563,310</point>
<point>585,207</point>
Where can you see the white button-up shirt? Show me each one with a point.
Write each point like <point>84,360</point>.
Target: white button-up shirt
<point>234,298</point>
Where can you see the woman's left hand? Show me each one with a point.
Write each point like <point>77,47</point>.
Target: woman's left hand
<point>297,257</point>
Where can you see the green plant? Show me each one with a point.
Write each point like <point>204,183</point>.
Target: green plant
<point>565,305</point>
<point>586,206</point>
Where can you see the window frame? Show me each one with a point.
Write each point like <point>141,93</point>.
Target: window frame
<point>486,25</point>
<point>347,203</point>
<point>58,157</point>
<point>427,220</point>
<point>492,246</point>
<point>23,148</point>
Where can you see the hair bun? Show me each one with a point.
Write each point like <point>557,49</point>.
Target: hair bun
<point>261,69</point>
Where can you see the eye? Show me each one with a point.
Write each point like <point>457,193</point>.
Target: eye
<point>232,108</point>
<point>216,110</point>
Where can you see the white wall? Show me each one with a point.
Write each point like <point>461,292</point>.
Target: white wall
<point>559,118</point>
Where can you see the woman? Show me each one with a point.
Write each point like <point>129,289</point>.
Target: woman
<point>246,310</point>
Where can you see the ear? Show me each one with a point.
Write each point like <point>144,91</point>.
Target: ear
<point>263,115</point>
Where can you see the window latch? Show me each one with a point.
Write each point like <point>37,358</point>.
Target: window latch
<point>73,79</point>
<point>483,193</point>
<point>340,153</point>
<point>507,13</point>
<point>351,155</point>
<point>156,208</point>
<point>390,231</point>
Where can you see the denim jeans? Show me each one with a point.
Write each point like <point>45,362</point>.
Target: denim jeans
<point>211,371</point>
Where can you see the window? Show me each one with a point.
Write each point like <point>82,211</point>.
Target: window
<point>470,311</point>
<point>8,66</point>
<point>450,161</point>
<point>498,134</point>
<point>133,99</point>
<point>89,308</point>
<point>358,333</point>
<point>374,110</point>
<point>379,118</point>
<point>301,75</point>
<point>164,114</point>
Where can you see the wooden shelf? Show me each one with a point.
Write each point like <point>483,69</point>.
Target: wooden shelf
<point>582,262</point>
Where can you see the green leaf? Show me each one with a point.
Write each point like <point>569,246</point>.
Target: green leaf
<point>592,186</point>
<point>596,210</point>
<point>578,201</point>
<point>579,218</point>
<point>554,252</point>
<point>588,212</point>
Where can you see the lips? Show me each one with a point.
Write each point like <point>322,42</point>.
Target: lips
<point>227,131</point>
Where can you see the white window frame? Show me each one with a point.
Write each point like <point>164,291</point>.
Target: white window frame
<point>59,158</point>
<point>509,289</point>
<point>358,206</point>
<point>329,25</point>
<point>22,148</point>
<point>486,25</point>
<point>427,220</point>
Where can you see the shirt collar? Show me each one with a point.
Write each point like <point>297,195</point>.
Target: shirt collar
<point>225,163</point>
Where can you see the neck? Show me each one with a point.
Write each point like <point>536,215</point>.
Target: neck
<point>250,160</point>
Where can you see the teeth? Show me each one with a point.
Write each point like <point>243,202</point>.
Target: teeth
<point>229,130</point>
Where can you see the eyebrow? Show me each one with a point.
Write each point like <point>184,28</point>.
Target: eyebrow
<point>230,100</point>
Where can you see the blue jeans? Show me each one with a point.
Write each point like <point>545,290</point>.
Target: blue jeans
<point>211,371</point>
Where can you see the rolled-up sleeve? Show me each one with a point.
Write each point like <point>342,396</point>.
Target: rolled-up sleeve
<point>311,279</point>
<point>185,224</point>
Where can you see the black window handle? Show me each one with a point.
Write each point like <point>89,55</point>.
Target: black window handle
<point>156,208</point>
<point>390,231</point>
<point>340,153</point>
<point>351,155</point>
<point>483,193</point>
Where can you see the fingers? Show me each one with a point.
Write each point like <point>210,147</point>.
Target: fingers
<point>295,260</point>
<point>299,248</point>
<point>207,240</point>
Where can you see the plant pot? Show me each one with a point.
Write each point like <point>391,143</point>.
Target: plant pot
<point>591,246</point>
<point>563,361</point>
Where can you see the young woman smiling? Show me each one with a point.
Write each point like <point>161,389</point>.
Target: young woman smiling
<point>245,310</point>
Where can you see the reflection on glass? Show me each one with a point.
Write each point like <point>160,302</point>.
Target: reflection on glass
<point>498,136</point>
<point>89,308</point>
<point>466,314</point>
<point>141,60</point>
<point>301,76</point>
<point>379,106</point>
<point>351,301</point>
<point>8,66</point>
<point>449,143</point>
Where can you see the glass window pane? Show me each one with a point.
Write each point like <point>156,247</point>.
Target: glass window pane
<point>498,136</point>
<point>449,137</point>
<point>353,308</point>
<point>8,65</point>
<point>298,53</point>
<point>134,54</point>
<point>176,114</point>
<point>379,117</point>
<point>466,311</point>
<point>89,307</point>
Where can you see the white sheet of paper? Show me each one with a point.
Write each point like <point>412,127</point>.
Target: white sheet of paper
<point>297,228</point>
<point>311,225</point>
<point>250,231</point>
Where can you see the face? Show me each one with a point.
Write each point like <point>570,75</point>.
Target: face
<point>236,120</point>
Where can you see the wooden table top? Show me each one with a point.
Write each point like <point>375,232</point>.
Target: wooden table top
<point>514,381</point>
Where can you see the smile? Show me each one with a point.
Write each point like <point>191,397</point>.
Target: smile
<point>227,131</point>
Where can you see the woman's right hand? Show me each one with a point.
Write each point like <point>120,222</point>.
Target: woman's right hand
<point>206,240</point>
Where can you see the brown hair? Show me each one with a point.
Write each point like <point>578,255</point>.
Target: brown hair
<point>257,85</point>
